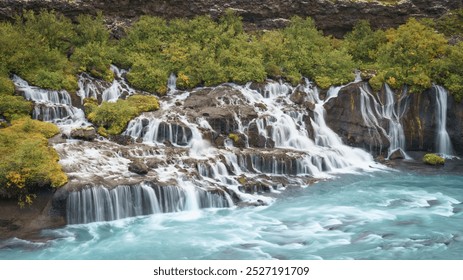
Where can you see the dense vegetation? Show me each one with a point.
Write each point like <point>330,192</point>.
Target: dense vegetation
<point>26,161</point>
<point>48,50</point>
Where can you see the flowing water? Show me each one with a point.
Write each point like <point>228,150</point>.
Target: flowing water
<point>386,215</point>
<point>392,109</point>
<point>194,201</point>
<point>443,143</point>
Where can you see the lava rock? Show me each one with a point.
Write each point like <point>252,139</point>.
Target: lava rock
<point>397,154</point>
<point>138,166</point>
<point>84,133</point>
<point>122,139</point>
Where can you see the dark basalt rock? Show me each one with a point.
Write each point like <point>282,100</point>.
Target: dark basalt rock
<point>333,17</point>
<point>397,154</point>
<point>138,166</point>
<point>84,133</point>
<point>122,139</point>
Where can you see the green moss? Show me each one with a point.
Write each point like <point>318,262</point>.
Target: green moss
<point>433,159</point>
<point>234,137</point>
<point>112,117</point>
<point>26,162</point>
<point>242,180</point>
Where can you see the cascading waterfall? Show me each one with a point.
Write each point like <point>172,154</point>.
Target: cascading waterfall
<point>172,84</point>
<point>52,106</point>
<point>157,131</point>
<point>373,112</point>
<point>97,204</point>
<point>285,126</point>
<point>90,87</point>
<point>443,142</point>
<point>396,134</point>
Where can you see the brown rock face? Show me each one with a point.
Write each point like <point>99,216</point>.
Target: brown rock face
<point>344,116</point>
<point>333,17</point>
<point>418,118</point>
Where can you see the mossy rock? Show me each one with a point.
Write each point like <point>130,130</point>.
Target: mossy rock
<point>433,159</point>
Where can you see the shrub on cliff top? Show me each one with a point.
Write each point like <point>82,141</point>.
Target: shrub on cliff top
<point>300,50</point>
<point>200,50</point>
<point>407,57</point>
<point>27,163</point>
<point>48,50</point>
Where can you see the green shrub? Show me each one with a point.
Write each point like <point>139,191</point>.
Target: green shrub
<point>6,85</point>
<point>13,107</point>
<point>200,51</point>
<point>300,50</point>
<point>94,58</point>
<point>48,50</point>
<point>408,56</point>
<point>143,103</point>
<point>433,159</point>
<point>362,43</point>
<point>113,117</point>
<point>26,161</point>
<point>450,24</point>
<point>449,71</point>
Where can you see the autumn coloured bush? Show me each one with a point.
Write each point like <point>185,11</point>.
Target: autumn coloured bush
<point>27,163</point>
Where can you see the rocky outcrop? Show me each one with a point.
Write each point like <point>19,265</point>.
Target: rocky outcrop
<point>345,115</point>
<point>84,133</point>
<point>455,124</point>
<point>334,17</point>
<point>138,166</point>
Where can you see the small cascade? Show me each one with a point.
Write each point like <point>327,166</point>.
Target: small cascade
<point>157,131</point>
<point>374,113</point>
<point>396,133</point>
<point>288,130</point>
<point>172,83</point>
<point>52,106</point>
<point>443,142</point>
<point>97,204</point>
<point>369,109</point>
<point>90,87</point>
<point>324,136</point>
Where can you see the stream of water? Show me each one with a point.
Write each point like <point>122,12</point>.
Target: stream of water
<point>384,215</point>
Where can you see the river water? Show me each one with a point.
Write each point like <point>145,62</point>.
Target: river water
<point>382,215</point>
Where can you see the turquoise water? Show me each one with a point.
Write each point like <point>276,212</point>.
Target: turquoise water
<point>394,215</point>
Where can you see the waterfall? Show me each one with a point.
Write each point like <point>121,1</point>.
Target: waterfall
<point>52,106</point>
<point>172,83</point>
<point>109,92</point>
<point>373,112</point>
<point>396,134</point>
<point>443,142</point>
<point>98,204</point>
<point>155,130</point>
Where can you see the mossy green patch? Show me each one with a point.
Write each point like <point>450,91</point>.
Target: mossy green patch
<point>112,117</point>
<point>433,159</point>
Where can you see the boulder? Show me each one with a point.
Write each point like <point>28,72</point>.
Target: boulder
<point>138,166</point>
<point>84,133</point>
<point>397,154</point>
<point>122,139</point>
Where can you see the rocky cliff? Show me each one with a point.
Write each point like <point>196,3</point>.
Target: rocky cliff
<point>333,16</point>
<point>356,115</point>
